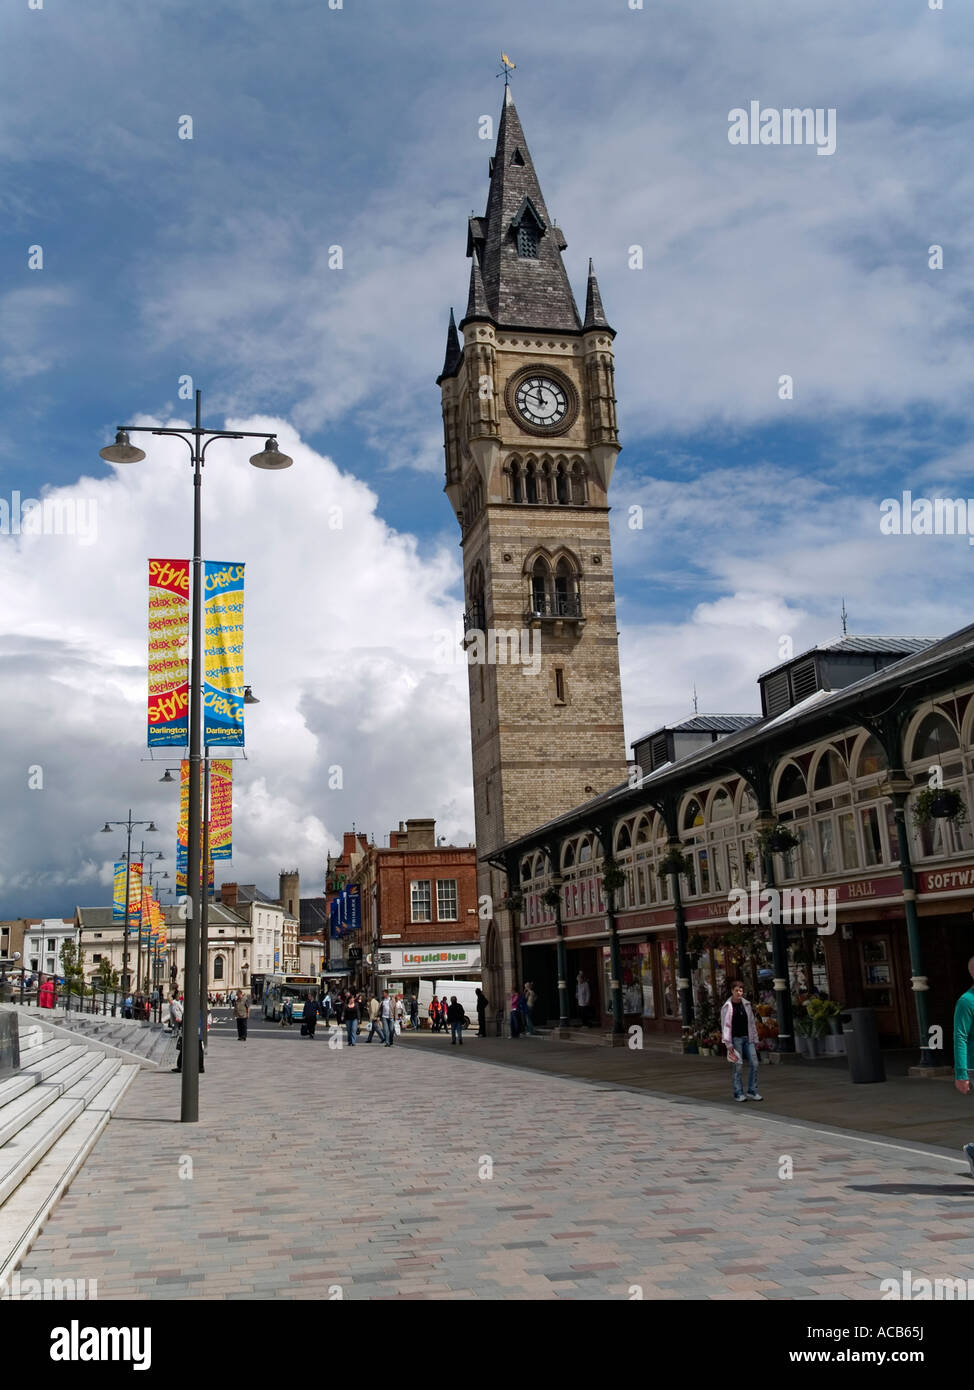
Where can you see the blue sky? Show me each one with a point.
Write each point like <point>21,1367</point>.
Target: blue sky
<point>359,127</point>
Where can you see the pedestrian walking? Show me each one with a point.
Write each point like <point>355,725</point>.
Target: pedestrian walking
<point>175,1014</point>
<point>963,1042</point>
<point>287,1013</point>
<point>515,1014</point>
<point>375,1025</point>
<point>387,1020</point>
<point>414,1011</point>
<point>241,1011</point>
<point>434,1013</point>
<point>444,1006</point>
<point>310,1016</point>
<point>483,1004</point>
<point>127,1006</point>
<point>583,998</point>
<point>179,1044</point>
<point>351,1020</point>
<point>455,1016</point>
<point>326,1008</point>
<point>739,1033</point>
<point>528,998</point>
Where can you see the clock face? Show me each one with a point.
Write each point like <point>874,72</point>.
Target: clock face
<point>541,402</point>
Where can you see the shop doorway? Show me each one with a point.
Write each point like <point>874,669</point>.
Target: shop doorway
<point>588,960</point>
<point>541,968</point>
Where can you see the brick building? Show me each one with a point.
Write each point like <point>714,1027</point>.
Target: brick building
<point>419,909</point>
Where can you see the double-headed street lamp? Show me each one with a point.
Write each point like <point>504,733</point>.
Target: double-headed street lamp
<point>270,457</point>
<point>107,829</point>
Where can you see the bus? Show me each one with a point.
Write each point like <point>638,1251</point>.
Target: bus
<point>297,988</point>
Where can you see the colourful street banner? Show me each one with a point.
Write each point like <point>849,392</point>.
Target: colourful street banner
<point>221,808</point>
<point>223,601</point>
<point>168,653</point>
<point>135,893</point>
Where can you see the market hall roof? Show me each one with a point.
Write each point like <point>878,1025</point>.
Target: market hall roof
<point>921,673</point>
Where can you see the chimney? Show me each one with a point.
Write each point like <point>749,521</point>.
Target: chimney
<point>421,834</point>
<point>228,894</point>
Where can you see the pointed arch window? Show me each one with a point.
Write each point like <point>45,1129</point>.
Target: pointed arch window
<point>517,485</point>
<point>531,481</point>
<point>540,584</point>
<point>545,490</point>
<point>562,485</point>
<point>475,616</point>
<point>578,484</point>
<point>566,590</point>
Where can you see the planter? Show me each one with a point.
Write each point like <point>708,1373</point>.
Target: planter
<point>835,1025</point>
<point>803,1045</point>
<point>772,1058</point>
<point>691,1050</point>
<point>835,1045</point>
<point>705,1051</point>
<point>818,1047</point>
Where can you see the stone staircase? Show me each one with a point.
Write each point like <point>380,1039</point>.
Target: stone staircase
<point>53,1108</point>
<point>149,1045</point>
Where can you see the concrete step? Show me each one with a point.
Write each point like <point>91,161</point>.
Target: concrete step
<point>23,1214</point>
<point>32,1141</point>
<point>46,1061</point>
<point>19,1110</point>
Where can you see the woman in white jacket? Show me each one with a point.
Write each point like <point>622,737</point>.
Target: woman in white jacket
<point>739,1033</point>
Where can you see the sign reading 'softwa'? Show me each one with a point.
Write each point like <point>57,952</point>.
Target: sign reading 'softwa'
<point>223,653</point>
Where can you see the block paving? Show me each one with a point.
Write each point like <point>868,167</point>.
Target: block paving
<point>411,1173</point>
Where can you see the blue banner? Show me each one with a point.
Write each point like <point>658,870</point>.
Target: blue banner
<point>223,653</point>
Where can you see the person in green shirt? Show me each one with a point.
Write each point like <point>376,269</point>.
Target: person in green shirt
<point>963,1044</point>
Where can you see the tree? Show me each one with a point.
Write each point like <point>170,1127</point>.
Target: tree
<point>107,977</point>
<point>73,967</point>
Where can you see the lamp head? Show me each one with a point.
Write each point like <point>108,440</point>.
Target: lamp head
<point>122,451</point>
<point>167,777</point>
<point>106,829</point>
<point>150,827</point>
<point>271,456</point>
<point>249,697</point>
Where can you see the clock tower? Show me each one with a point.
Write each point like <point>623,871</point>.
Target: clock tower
<point>529,419</point>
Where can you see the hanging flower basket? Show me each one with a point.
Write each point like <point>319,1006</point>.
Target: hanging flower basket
<point>673,862</point>
<point>513,902</point>
<point>778,839</point>
<point>551,896</point>
<point>939,803</point>
<point>613,877</point>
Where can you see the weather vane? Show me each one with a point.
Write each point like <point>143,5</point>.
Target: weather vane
<point>506,70</point>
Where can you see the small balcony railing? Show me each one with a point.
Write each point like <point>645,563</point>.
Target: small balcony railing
<point>555,606</point>
<point>475,619</point>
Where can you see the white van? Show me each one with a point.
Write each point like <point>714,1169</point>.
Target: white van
<point>465,990</point>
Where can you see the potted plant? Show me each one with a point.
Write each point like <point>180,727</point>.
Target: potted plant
<point>514,902</point>
<point>551,896</point>
<point>939,803</point>
<point>777,839</point>
<point>803,1037</point>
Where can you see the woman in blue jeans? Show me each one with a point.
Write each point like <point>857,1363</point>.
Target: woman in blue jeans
<point>739,1033</point>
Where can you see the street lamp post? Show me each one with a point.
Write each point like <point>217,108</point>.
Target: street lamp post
<point>130,825</point>
<point>270,457</point>
<point>147,877</point>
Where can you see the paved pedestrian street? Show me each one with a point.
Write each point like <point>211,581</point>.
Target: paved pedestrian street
<point>412,1173</point>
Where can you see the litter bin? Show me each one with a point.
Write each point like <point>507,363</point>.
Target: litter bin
<point>862,1046</point>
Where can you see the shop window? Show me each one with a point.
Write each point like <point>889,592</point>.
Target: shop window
<point>935,735</point>
<point>872,843</point>
<point>671,1001</point>
<point>872,759</point>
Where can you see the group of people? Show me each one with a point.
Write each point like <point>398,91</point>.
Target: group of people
<point>522,1010</point>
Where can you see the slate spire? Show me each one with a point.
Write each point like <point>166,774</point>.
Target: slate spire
<point>477,306</point>
<point>519,249</point>
<point>594,313</point>
<point>453,351</point>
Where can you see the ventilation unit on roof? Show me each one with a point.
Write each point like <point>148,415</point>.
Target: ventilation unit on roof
<point>776,694</point>
<point>658,752</point>
<point>804,681</point>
